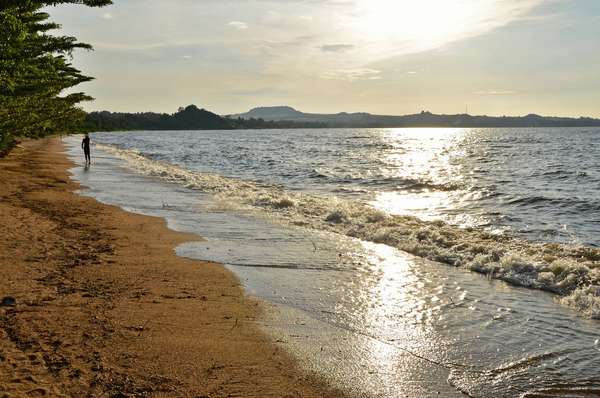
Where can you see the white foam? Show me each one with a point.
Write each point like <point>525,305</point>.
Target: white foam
<point>570,270</point>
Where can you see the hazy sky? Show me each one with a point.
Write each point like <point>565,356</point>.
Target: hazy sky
<point>379,56</point>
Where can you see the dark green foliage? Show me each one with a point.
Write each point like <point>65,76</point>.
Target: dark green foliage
<point>115,121</point>
<point>6,144</point>
<point>188,118</point>
<point>4,4</point>
<point>193,118</point>
<point>35,71</point>
<point>259,123</point>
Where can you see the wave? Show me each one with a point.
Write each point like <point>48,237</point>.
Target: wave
<point>529,200</point>
<point>570,270</point>
<point>465,380</point>
<point>558,392</point>
<point>566,205</point>
<point>397,183</point>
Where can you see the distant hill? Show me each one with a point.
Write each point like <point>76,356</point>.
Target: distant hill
<point>423,119</point>
<point>272,113</point>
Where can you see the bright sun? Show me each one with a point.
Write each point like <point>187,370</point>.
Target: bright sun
<point>424,24</point>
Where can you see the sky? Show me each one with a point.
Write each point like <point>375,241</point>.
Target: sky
<point>495,57</point>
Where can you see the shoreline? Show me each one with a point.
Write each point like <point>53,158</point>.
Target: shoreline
<point>105,307</point>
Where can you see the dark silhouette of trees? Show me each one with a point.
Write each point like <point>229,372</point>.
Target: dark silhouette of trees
<point>192,118</point>
<point>35,69</point>
<point>188,118</point>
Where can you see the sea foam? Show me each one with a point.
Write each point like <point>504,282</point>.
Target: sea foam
<point>571,271</point>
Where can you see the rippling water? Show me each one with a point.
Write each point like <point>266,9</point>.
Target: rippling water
<point>366,316</point>
<point>540,184</point>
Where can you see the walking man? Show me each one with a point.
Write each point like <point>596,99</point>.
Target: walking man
<point>85,144</point>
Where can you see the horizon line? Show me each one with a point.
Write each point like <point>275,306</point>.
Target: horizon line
<point>356,112</point>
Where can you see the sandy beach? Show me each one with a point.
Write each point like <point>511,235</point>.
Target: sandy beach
<point>105,308</point>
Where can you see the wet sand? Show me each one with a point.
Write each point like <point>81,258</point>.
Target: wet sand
<point>105,308</point>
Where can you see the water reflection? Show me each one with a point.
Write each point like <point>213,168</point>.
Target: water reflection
<point>395,319</point>
<point>425,155</point>
<point>426,205</point>
<point>413,325</point>
<point>427,165</point>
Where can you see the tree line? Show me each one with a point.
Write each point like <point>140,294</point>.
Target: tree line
<point>193,118</point>
<point>36,70</point>
<point>188,118</point>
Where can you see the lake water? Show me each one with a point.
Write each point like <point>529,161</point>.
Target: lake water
<point>285,211</point>
<point>541,184</point>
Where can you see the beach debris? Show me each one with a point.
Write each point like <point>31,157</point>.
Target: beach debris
<point>136,328</point>
<point>234,325</point>
<point>8,302</point>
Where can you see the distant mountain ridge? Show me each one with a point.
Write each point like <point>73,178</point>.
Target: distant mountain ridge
<point>423,119</point>
<point>285,117</point>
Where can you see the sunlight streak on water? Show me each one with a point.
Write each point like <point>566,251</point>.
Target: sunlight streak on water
<point>425,206</point>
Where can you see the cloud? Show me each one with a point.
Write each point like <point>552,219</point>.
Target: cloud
<point>237,48</point>
<point>238,25</point>
<point>337,48</point>
<point>387,28</point>
<point>351,75</point>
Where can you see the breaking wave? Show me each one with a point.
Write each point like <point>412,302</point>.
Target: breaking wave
<point>571,271</point>
<point>481,383</point>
